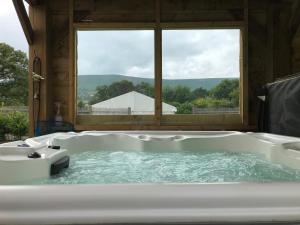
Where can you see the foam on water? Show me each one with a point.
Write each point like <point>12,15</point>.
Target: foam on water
<point>92,167</point>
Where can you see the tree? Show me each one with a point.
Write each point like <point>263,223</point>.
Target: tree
<point>224,89</point>
<point>145,88</point>
<point>105,92</point>
<point>102,94</point>
<point>80,104</point>
<point>235,97</point>
<point>119,88</point>
<point>168,94</point>
<point>200,93</point>
<point>183,94</point>
<point>13,76</point>
<point>179,94</point>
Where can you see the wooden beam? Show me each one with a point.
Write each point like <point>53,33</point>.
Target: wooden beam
<point>295,19</point>
<point>269,76</point>
<point>72,104</point>
<point>158,63</point>
<point>24,20</point>
<point>244,66</point>
<point>40,48</point>
<point>112,26</point>
<point>167,127</point>
<point>33,2</point>
<point>203,25</point>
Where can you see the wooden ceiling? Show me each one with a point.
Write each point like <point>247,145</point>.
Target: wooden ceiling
<point>33,2</point>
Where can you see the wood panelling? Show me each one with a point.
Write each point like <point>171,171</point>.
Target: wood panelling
<point>269,52</point>
<point>294,23</point>
<point>39,48</point>
<point>295,36</point>
<point>295,61</point>
<point>59,51</point>
<point>115,11</point>
<point>281,41</point>
<point>194,11</point>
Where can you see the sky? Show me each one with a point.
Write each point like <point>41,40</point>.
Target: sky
<point>186,53</point>
<point>10,29</point>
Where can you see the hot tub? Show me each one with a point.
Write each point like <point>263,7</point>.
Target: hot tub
<point>150,177</point>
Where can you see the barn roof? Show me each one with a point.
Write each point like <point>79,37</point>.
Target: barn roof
<point>136,101</point>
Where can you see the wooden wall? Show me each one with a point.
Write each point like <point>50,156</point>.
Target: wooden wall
<point>271,52</point>
<point>295,36</point>
<point>269,47</point>
<point>296,54</point>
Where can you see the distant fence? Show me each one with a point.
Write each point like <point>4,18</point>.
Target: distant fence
<point>7,109</point>
<point>114,111</point>
<point>197,110</point>
<point>104,111</point>
<point>84,111</point>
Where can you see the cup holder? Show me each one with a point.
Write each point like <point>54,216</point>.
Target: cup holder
<point>142,137</point>
<point>177,137</point>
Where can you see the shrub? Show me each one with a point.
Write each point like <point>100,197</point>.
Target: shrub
<point>17,124</point>
<point>3,127</point>
<point>212,103</point>
<point>184,108</point>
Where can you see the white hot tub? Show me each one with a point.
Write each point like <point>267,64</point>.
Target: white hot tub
<point>29,195</point>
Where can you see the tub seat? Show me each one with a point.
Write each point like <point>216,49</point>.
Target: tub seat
<point>17,167</point>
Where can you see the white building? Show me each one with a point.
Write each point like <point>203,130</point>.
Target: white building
<point>131,103</point>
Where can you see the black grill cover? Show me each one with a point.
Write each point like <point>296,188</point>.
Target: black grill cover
<point>281,110</point>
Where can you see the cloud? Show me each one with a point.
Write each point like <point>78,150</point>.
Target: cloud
<point>200,53</point>
<point>10,29</point>
<point>116,52</point>
<point>186,53</point>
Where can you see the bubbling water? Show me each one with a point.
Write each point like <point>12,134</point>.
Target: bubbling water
<point>106,167</point>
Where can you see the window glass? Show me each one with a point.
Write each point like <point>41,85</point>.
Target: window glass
<point>201,70</point>
<point>115,72</point>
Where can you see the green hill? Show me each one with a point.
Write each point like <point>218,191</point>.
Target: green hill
<point>90,82</point>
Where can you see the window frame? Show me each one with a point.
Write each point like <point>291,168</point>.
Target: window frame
<point>228,121</point>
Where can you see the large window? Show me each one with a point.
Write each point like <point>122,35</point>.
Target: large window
<point>154,76</point>
<point>115,72</point>
<point>201,70</point>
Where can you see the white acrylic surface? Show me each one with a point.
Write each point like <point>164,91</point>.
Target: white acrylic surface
<point>145,203</point>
